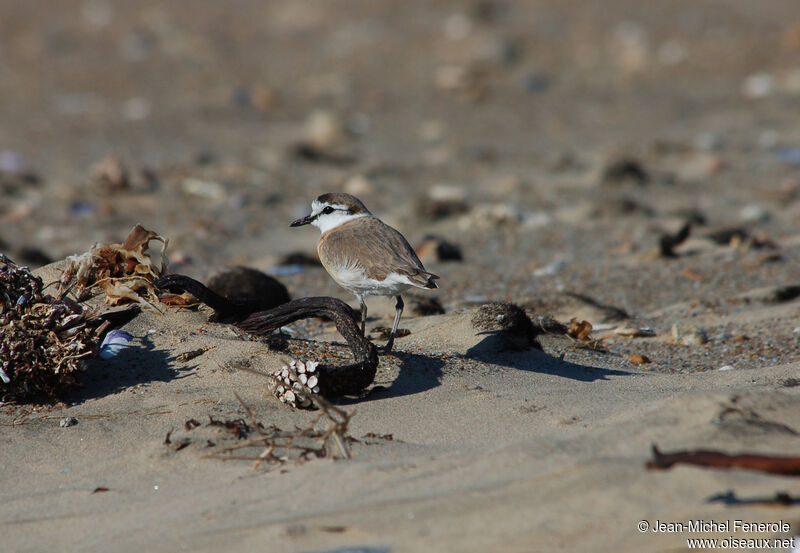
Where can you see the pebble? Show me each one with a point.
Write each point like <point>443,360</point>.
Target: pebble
<point>689,335</point>
<point>67,422</point>
<point>552,268</point>
<point>754,213</point>
<point>324,128</point>
<point>436,248</point>
<point>358,185</point>
<point>536,82</point>
<point>207,189</point>
<point>758,85</point>
<point>632,48</point>
<point>503,215</point>
<point>451,77</point>
<point>457,26</point>
<point>624,170</point>
<point>246,282</point>
<point>446,192</point>
<point>672,52</point>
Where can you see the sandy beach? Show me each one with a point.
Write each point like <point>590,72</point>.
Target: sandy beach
<point>634,167</point>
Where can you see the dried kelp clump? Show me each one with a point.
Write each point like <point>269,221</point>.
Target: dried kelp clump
<point>43,340</point>
<point>125,272</point>
<point>509,323</point>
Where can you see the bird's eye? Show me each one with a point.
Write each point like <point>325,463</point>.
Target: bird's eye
<point>328,210</point>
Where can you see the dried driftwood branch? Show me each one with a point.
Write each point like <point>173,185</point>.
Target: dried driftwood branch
<point>788,466</point>
<point>225,309</point>
<point>333,380</point>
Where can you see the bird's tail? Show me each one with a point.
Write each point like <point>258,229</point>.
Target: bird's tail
<point>431,282</point>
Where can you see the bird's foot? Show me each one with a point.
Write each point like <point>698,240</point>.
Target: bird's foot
<point>384,350</point>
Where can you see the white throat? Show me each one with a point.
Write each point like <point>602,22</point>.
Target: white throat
<point>330,221</point>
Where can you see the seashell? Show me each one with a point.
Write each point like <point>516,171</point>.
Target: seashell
<point>312,382</point>
<point>301,367</point>
<point>303,378</point>
<point>281,389</point>
<point>69,318</point>
<point>315,389</point>
<point>4,377</point>
<point>113,343</point>
<point>293,362</point>
<point>285,372</point>
<point>290,397</point>
<point>311,366</point>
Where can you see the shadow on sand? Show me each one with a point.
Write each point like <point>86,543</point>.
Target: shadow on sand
<point>492,349</point>
<point>419,373</point>
<point>139,363</point>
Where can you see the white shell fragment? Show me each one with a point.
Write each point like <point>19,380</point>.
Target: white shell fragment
<point>312,382</point>
<point>4,377</point>
<point>113,343</point>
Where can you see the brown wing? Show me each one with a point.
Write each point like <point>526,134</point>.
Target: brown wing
<point>375,247</point>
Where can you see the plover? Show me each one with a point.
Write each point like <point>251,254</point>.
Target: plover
<point>364,255</point>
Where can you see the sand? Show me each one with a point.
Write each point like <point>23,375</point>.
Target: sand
<point>554,143</point>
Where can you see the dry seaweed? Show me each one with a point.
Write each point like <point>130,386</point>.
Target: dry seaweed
<point>322,438</point>
<point>125,272</point>
<point>45,339</point>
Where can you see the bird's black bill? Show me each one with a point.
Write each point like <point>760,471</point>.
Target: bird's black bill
<point>304,221</point>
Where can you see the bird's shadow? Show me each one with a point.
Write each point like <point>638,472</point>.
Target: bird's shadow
<point>138,363</point>
<point>419,373</point>
<point>494,349</point>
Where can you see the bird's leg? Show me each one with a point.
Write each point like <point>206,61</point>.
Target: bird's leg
<point>363,314</point>
<point>398,311</point>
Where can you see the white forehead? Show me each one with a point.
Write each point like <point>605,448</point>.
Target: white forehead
<point>317,206</point>
<point>329,221</point>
